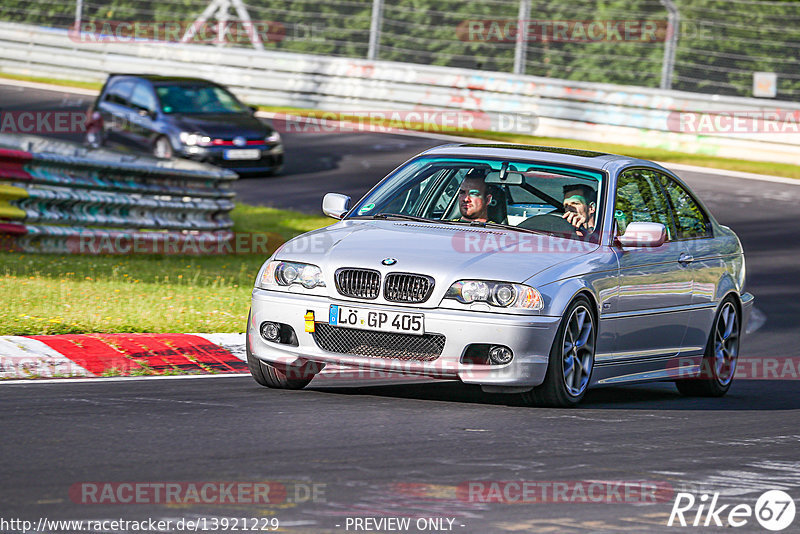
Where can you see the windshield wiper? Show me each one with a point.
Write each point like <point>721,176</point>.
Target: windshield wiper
<point>490,224</point>
<point>402,216</point>
<point>478,224</point>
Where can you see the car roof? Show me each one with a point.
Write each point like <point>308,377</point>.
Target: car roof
<point>159,79</point>
<point>534,153</point>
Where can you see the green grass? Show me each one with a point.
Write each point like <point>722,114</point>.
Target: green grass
<point>52,81</point>
<point>50,294</point>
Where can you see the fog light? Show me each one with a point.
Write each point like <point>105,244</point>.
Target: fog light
<point>500,355</point>
<point>270,331</point>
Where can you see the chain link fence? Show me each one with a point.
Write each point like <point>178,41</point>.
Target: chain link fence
<point>719,44</point>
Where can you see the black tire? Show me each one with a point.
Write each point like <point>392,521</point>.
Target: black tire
<point>271,377</point>
<point>276,171</point>
<point>719,360</point>
<point>555,391</point>
<point>162,148</point>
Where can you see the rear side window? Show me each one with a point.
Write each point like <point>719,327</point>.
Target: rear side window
<point>690,220</point>
<point>641,199</point>
<point>120,92</point>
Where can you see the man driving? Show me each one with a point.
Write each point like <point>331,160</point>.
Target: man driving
<point>579,208</point>
<point>473,199</point>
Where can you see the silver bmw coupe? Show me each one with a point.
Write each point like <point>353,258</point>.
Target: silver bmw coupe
<point>528,270</point>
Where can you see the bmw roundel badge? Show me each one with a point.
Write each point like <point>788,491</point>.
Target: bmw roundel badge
<point>389,261</point>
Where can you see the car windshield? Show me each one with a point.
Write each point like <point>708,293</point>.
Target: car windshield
<point>523,195</point>
<point>200,98</point>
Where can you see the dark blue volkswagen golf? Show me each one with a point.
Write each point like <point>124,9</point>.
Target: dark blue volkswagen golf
<point>183,117</point>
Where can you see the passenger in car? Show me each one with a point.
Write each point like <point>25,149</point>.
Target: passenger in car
<point>580,204</point>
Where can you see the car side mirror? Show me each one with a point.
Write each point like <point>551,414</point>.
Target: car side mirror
<point>643,234</point>
<point>335,205</point>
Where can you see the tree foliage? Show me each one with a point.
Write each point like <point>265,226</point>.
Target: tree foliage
<point>721,43</point>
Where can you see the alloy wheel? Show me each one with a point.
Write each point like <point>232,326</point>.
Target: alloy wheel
<point>726,344</point>
<point>578,351</point>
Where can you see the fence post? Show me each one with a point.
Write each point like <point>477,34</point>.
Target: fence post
<point>375,29</point>
<point>78,14</point>
<point>521,48</point>
<point>671,43</point>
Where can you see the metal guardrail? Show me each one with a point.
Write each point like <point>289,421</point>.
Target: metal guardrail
<point>59,197</point>
<point>579,110</point>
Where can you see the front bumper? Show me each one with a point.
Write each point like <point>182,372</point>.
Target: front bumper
<point>530,337</point>
<point>271,159</point>
<point>747,300</point>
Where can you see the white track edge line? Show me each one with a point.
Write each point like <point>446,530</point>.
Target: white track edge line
<point>104,379</point>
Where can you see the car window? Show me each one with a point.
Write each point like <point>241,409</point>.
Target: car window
<point>690,220</point>
<point>447,196</point>
<point>143,98</point>
<point>197,98</point>
<point>119,92</point>
<point>640,198</point>
<point>520,194</point>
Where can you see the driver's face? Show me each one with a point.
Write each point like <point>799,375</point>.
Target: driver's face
<point>576,206</point>
<point>473,200</point>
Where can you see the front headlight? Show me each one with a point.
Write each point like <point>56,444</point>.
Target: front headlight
<point>500,294</point>
<point>274,137</point>
<point>194,139</point>
<point>286,273</point>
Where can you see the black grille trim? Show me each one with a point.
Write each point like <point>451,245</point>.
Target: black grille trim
<point>407,288</point>
<point>358,283</point>
<point>374,344</point>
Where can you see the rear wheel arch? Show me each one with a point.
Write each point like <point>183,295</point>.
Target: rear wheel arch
<point>737,301</point>
<point>720,353</point>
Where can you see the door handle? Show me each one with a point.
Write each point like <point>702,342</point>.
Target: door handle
<point>685,259</point>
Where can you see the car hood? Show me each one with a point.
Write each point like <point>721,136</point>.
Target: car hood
<point>223,125</point>
<point>446,252</point>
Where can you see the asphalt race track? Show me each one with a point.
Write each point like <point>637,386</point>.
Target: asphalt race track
<point>404,448</point>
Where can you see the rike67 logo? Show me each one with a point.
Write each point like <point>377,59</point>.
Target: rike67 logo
<point>774,510</point>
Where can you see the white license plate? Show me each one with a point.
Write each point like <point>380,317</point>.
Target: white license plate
<point>244,153</point>
<point>384,321</point>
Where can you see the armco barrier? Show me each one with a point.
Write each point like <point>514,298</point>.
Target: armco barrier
<point>579,110</point>
<point>59,197</point>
